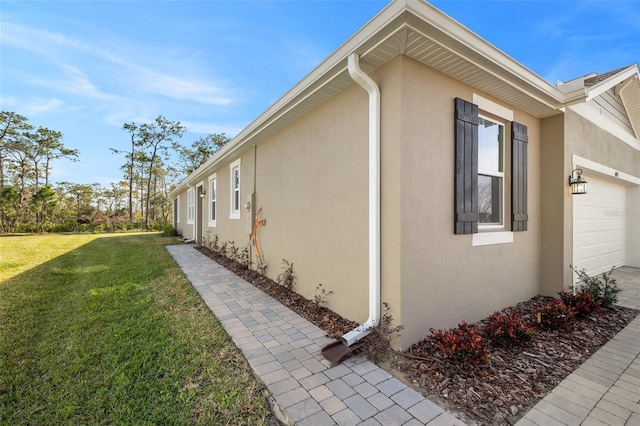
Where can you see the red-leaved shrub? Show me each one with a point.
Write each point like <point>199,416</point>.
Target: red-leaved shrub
<point>581,304</point>
<point>507,330</point>
<point>463,344</point>
<point>555,316</point>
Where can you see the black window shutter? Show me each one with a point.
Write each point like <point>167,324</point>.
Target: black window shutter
<point>519,141</point>
<point>466,167</point>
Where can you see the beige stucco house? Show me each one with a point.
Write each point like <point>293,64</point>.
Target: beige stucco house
<point>420,166</point>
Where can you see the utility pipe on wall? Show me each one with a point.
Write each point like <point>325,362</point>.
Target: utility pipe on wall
<point>373,90</point>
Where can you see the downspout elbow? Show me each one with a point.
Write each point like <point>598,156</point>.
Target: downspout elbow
<point>362,79</point>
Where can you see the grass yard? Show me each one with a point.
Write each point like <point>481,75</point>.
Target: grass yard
<point>98,329</point>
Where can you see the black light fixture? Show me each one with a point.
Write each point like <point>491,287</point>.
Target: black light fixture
<point>203,193</point>
<point>577,183</point>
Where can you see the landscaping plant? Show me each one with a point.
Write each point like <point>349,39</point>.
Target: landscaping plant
<point>463,344</point>
<point>377,345</point>
<point>554,316</point>
<point>602,287</point>
<point>321,295</point>
<point>581,304</point>
<point>508,330</point>
<point>287,277</point>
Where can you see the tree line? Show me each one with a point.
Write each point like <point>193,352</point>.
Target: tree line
<point>154,161</point>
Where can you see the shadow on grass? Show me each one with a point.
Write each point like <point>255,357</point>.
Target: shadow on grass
<point>112,332</point>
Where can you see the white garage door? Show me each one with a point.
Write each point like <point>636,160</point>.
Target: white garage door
<point>599,226</point>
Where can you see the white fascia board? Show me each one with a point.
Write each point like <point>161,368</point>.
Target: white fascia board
<point>327,70</point>
<point>485,55</point>
<point>423,18</point>
<point>611,82</point>
<point>629,92</point>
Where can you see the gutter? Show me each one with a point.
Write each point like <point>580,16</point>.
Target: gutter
<point>374,201</point>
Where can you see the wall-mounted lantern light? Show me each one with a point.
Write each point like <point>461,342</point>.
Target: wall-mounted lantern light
<point>203,193</point>
<point>578,184</point>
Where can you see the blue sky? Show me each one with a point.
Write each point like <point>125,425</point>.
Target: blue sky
<point>87,67</point>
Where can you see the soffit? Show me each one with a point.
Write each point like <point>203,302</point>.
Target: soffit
<point>423,33</point>
<point>629,92</point>
<point>407,34</point>
<point>626,82</point>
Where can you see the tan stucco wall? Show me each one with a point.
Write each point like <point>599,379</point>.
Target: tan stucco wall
<point>554,192</point>
<point>312,186</point>
<point>587,140</point>
<point>444,278</point>
<point>311,180</point>
<point>590,141</point>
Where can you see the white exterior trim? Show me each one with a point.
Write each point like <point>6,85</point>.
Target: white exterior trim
<point>235,213</point>
<point>489,238</point>
<point>492,107</point>
<point>588,165</point>
<point>213,196</point>
<point>607,84</point>
<point>399,15</point>
<point>501,175</point>
<point>629,93</point>
<point>191,206</point>
<point>177,212</point>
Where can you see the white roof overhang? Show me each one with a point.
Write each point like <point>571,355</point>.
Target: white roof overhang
<point>629,91</point>
<point>422,32</point>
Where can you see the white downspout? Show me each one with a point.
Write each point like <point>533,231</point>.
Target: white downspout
<point>374,201</point>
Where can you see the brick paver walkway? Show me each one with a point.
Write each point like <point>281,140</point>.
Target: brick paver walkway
<point>605,389</point>
<point>283,349</point>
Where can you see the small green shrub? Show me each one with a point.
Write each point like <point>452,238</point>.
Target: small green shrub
<point>555,316</point>
<point>321,295</point>
<point>581,304</point>
<point>604,289</point>
<point>169,231</point>
<point>243,257</point>
<point>377,345</point>
<point>231,251</point>
<point>222,249</point>
<point>287,277</point>
<point>508,330</point>
<point>463,344</point>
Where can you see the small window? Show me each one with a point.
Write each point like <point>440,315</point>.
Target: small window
<point>235,190</point>
<point>178,209</point>
<point>191,205</point>
<point>490,172</point>
<point>212,201</point>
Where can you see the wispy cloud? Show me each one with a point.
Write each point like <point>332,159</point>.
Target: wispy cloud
<point>33,107</point>
<point>37,106</point>
<point>578,43</point>
<point>93,69</point>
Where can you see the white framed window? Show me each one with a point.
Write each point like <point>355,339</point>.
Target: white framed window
<point>490,173</point>
<point>177,212</point>
<point>191,205</point>
<point>212,200</point>
<point>234,172</point>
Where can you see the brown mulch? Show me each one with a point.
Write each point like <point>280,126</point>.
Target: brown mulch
<point>333,324</point>
<point>515,379</point>
<point>496,393</point>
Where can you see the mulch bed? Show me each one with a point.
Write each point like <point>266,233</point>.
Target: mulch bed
<point>515,379</point>
<point>496,393</point>
<point>333,324</point>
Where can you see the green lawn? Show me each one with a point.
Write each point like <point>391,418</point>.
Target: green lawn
<point>99,329</point>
